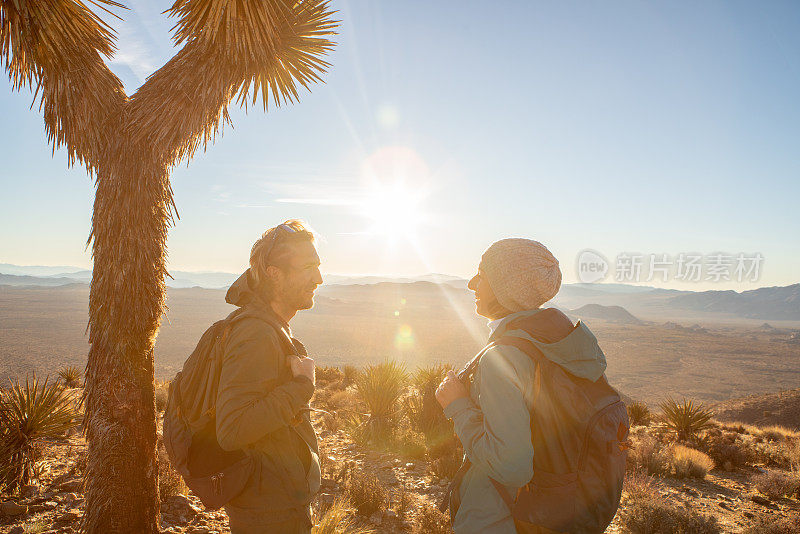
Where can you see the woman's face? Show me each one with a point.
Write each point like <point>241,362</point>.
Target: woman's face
<point>485,301</point>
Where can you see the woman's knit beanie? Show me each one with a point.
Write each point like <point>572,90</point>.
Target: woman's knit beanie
<point>522,273</point>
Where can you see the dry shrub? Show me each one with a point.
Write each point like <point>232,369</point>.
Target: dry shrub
<point>338,519</point>
<point>639,414</point>
<point>645,511</point>
<point>445,465</point>
<point>648,455</point>
<point>162,394</point>
<point>405,502</point>
<point>792,452</point>
<point>776,484</point>
<point>726,448</point>
<point>170,482</point>
<point>329,377</point>
<point>689,463</point>
<point>784,454</point>
<point>431,521</point>
<point>331,422</point>
<point>774,525</point>
<point>365,492</point>
<point>408,443</point>
<point>345,400</point>
<point>777,433</point>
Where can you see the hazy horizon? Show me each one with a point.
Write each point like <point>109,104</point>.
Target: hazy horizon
<point>622,128</point>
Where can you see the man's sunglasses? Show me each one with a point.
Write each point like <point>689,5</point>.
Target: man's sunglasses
<point>280,228</point>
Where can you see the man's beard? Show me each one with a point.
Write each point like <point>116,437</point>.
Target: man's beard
<point>302,298</point>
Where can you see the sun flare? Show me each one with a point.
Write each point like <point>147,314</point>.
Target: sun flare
<point>395,182</point>
<point>393,211</point>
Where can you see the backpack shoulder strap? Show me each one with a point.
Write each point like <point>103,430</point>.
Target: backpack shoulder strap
<point>285,338</point>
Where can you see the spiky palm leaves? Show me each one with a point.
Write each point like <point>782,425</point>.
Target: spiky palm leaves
<point>56,48</point>
<point>231,47</point>
<point>685,418</point>
<point>30,414</point>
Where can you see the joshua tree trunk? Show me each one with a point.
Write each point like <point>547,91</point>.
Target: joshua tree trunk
<point>129,228</point>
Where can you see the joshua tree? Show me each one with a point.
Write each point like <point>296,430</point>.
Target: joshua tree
<point>232,49</point>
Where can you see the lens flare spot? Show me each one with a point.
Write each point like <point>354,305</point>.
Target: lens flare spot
<point>397,313</point>
<point>404,340</point>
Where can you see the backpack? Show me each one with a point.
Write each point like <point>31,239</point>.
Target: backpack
<point>213,474</point>
<point>579,431</point>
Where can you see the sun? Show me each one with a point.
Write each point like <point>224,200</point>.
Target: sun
<point>393,211</point>
<point>395,187</point>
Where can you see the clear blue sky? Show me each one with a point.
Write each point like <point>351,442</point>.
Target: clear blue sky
<point>647,127</point>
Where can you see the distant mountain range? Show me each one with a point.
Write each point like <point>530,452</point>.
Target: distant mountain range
<point>770,303</point>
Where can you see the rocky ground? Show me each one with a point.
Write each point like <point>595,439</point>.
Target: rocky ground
<point>55,504</point>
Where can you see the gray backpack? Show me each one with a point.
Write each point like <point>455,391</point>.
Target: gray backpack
<point>213,474</point>
<point>579,431</point>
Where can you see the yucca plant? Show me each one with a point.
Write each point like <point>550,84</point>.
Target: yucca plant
<point>685,418</point>
<point>424,411</point>
<point>349,372</point>
<point>381,387</point>
<point>70,376</point>
<point>30,414</point>
<point>639,414</point>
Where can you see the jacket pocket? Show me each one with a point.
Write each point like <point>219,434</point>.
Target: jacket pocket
<point>548,501</point>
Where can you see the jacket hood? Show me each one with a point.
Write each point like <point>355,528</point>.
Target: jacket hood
<point>574,348</point>
<point>241,292</point>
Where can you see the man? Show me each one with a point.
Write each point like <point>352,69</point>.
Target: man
<point>265,386</point>
<point>534,356</point>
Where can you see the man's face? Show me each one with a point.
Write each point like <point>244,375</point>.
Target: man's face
<point>296,282</point>
<point>485,301</point>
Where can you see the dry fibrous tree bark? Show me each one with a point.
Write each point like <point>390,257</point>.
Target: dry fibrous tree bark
<point>233,50</point>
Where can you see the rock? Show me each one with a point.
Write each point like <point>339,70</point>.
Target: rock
<point>69,516</point>
<point>71,486</point>
<point>43,507</point>
<point>391,514</point>
<point>375,518</point>
<point>12,509</point>
<point>181,506</point>
<point>72,498</point>
<point>758,499</point>
<point>30,490</point>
